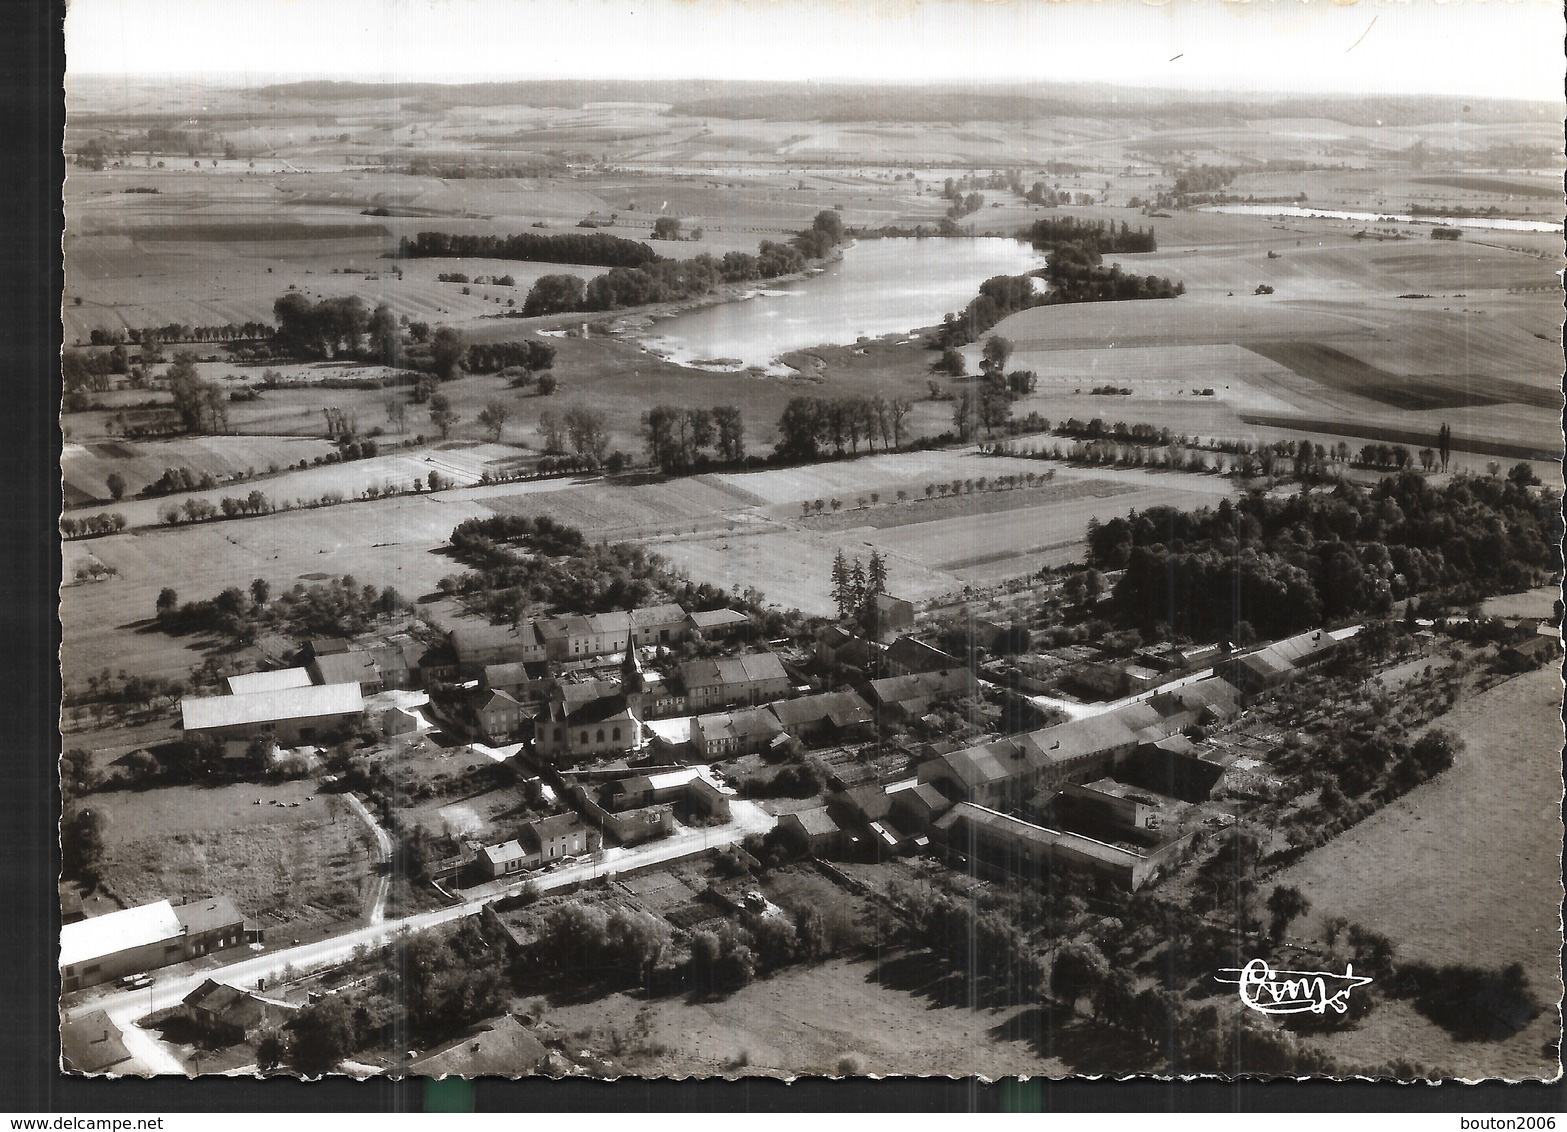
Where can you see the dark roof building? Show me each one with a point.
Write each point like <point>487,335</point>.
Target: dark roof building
<point>908,655</point>
<point>828,713</point>
<point>353,667</point>
<point>914,694</point>
<point>503,1048</point>
<point>91,1043</point>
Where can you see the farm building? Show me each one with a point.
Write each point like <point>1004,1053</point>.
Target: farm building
<point>1101,680</point>
<point>753,678</point>
<point>1019,848</point>
<point>1105,805</point>
<point>502,1048</point>
<point>293,715</point>
<point>892,615</point>
<point>1078,751</point>
<point>627,819</point>
<point>398,720</point>
<point>525,683</point>
<point>537,843</point>
<point>909,655</point>
<point>323,646</point>
<point>1172,767</point>
<point>916,807</point>
<point>689,786</point>
<point>249,682</point>
<point>352,667</point>
<point>1278,663</point>
<point>1206,702</point>
<point>1006,771</point>
<point>816,829</point>
<point>837,648</point>
<point>830,716</point>
<point>397,662</point>
<point>231,1015</point>
<point>659,624</point>
<point>505,858</point>
<point>91,1043</point>
<point>726,734</point>
<point>474,646</point>
<point>499,715</point>
<point>913,695</point>
<point>716,624</point>
<point>103,948</point>
<point>1532,653</point>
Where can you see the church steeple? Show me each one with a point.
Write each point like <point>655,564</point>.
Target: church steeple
<point>631,680</point>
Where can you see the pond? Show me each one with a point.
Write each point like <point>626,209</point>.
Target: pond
<point>878,287</point>
<point>1494,222</point>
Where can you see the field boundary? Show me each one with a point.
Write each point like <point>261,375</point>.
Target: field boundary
<point>1395,435</point>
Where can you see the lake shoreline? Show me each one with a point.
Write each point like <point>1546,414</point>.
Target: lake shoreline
<point>915,281</point>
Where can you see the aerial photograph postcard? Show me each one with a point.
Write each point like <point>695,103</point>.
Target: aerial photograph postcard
<point>812,539</point>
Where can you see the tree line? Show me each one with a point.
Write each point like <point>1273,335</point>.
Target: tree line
<point>660,280</point>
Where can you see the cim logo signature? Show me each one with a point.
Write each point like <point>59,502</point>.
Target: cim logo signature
<point>1292,992</point>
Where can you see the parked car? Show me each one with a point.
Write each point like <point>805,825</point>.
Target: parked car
<point>136,982</point>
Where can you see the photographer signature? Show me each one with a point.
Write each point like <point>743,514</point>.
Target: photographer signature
<point>1292,992</point>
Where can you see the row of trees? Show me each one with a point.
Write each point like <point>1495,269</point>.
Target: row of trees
<point>808,424</point>
<point>90,526</point>
<point>151,337</point>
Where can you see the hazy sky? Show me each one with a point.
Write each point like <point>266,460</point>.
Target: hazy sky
<point>1505,48</point>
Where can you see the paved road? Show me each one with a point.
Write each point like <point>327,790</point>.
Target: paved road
<point>383,857</point>
<point>150,1057</point>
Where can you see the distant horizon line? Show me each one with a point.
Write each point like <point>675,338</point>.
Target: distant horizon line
<point>243,79</point>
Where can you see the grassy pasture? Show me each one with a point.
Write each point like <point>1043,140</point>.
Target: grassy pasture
<point>385,543</point>
<point>299,870</point>
<point>799,1022</point>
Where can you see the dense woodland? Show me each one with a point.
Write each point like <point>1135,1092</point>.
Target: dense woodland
<point>1283,565</point>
